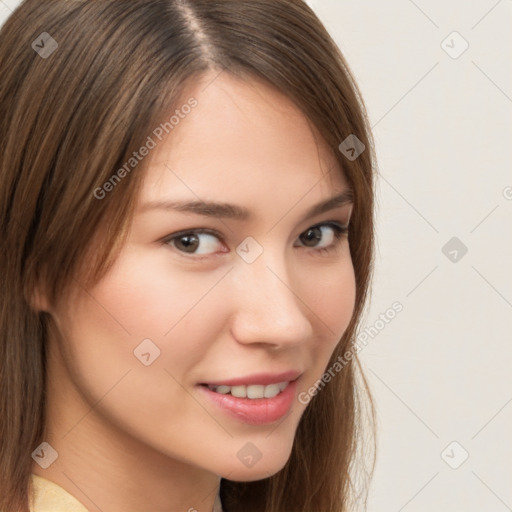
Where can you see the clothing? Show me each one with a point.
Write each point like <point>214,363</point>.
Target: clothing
<point>50,497</point>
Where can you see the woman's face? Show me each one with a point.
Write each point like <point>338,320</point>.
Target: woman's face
<point>251,298</point>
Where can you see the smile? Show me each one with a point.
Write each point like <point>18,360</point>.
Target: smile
<point>253,391</point>
<point>254,404</point>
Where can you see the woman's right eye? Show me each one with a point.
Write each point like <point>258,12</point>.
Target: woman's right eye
<point>190,241</point>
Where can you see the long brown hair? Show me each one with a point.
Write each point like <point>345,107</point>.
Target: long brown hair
<point>72,116</point>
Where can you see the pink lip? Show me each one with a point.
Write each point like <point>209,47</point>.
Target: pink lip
<point>259,411</point>
<point>263,379</point>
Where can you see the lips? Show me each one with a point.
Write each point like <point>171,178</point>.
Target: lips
<point>253,411</point>
<point>256,399</point>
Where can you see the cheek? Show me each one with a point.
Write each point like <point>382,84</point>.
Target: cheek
<point>180,311</point>
<point>332,298</point>
<point>154,298</point>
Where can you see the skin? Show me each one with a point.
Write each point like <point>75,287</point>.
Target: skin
<point>132,437</point>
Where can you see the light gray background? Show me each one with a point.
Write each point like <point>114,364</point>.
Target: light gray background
<point>440,371</point>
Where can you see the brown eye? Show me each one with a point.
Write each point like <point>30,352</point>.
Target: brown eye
<point>194,242</point>
<point>187,243</point>
<point>311,236</point>
<point>314,234</point>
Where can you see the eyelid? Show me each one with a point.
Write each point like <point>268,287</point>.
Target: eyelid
<point>177,234</point>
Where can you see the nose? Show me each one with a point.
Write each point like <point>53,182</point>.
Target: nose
<point>269,306</point>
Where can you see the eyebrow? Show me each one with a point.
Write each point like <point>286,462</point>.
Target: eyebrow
<point>237,212</point>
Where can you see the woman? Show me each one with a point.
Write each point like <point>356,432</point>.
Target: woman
<point>187,239</point>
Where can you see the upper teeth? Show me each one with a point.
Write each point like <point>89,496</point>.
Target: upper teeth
<point>253,391</point>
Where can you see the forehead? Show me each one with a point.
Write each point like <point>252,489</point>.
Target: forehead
<point>243,140</point>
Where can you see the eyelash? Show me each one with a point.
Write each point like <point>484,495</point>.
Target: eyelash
<point>340,232</point>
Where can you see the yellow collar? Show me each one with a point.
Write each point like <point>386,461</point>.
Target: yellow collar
<point>50,497</point>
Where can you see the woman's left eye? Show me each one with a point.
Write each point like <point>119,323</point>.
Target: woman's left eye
<point>315,233</point>
<point>188,242</point>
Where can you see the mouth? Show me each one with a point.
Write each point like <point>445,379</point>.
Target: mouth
<point>253,392</point>
<point>253,404</point>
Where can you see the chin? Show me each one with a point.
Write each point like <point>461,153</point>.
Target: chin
<point>259,471</point>
<point>263,465</point>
